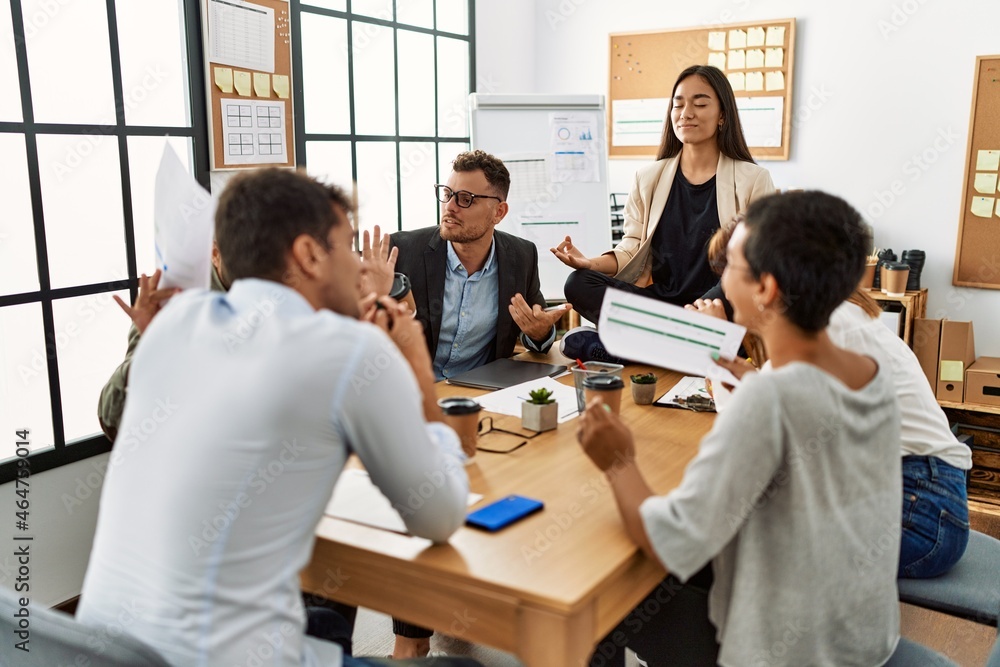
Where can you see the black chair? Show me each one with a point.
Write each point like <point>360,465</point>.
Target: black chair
<point>56,638</point>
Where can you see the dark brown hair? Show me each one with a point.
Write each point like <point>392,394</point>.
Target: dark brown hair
<point>493,167</point>
<point>729,136</point>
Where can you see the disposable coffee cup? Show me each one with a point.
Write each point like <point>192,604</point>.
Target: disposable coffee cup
<point>462,415</point>
<point>868,279</point>
<point>608,388</point>
<point>401,292</point>
<point>896,274</point>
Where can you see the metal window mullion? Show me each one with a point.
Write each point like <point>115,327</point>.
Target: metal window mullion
<point>197,95</point>
<point>298,89</point>
<point>399,145</point>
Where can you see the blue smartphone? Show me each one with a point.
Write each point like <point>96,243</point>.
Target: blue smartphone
<point>503,512</point>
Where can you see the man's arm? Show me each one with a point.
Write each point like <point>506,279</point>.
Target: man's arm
<point>528,312</point>
<point>112,401</point>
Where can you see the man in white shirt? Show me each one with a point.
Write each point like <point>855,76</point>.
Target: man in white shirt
<point>243,408</point>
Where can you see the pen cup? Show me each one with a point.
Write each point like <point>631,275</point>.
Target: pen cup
<point>462,415</point>
<point>606,387</point>
<point>594,368</point>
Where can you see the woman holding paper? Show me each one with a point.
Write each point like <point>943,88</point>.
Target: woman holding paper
<point>703,174</point>
<point>770,538</point>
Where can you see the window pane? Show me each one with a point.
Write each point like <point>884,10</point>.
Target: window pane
<point>10,101</point>
<point>330,161</point>
<point>416,84</point>
<point>18,268</point>
<point>416,12</point>
<point>336,5</point>
<point>446,155</point>
<point>381,9</point>
<point>82,203</point>
<point>91,337</point>
<point>69,61</point>
<point>144,154</point>
<point>154,62</point>
<point>374,79</point>
<point>377,185</point>
<point>453,16</point>
<point>418,173</point>
<point>24,379</point>
<point>453,87</point>
<point>324,75</point>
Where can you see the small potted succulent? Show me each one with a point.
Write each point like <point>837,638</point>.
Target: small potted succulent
<point>540,412</point>
<point>643,388</point>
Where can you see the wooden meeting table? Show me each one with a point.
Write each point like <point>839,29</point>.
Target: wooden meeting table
<point>547,588</point>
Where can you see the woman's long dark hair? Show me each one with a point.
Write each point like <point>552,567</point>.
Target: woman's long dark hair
<point>730,137</point>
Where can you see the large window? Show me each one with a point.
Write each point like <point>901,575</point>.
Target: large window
<point>91,93</point>
<point>384,100</point>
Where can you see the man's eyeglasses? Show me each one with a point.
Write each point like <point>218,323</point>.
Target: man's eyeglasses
<point>463,198</point>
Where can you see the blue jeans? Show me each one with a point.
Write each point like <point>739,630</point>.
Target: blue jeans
<point>935,517</point>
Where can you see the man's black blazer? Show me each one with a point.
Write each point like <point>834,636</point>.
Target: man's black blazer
<point>423,257</point>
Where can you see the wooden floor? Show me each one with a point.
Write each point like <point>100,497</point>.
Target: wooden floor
<point>968,644</point>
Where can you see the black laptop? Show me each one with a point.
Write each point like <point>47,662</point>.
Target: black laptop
<point>504,373</point>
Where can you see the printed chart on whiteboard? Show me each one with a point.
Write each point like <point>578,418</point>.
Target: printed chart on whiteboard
<point>254,131</point>
<point>241,34</point>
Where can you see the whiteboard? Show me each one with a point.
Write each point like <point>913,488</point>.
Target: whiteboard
<point>556,149</point>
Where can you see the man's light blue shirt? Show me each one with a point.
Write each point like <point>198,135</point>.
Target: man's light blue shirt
<point>469,317</point>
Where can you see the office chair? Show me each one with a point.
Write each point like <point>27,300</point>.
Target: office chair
<point>911,654</point>
<point>56,638</point>
<point>970,590</point>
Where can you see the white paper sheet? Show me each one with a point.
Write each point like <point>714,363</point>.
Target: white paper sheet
<point>508,401</point>
<point>573,147</point>
<point>761,120</point>
<point>241,35</point>
<point>654,332</point>
<point>529,177</point>
<point>183,225</point>
<point>253,132</point>
<point>638,122</point>
<point>355,498</point>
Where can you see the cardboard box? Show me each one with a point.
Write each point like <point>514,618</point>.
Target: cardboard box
<point>982,382</point>
<point>958,352</point>
<point>927,347</point>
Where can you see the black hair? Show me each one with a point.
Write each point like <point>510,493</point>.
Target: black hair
<point>492,167</point>
<point>262,212</point>
<point>814,244</point>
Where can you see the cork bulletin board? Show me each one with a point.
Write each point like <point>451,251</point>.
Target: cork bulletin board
<point>757,57</point>
<point>248,60</point>
<point>977,257</point>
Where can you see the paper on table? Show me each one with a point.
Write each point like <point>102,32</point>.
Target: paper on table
<point>755,81</point>
<point>986,183</point>
<point>776,35</point>
<point>355,498</point>
<point>755,37</point>
<point>224,79</point>
<point>654,332</point>
<point>717,59</point>
<point>988,160</point>
<point>774,57</point>
<point>755,58</point>
<point>982,206</point>
<point>183,225</point>
<point>737,39</point>
<point>508,401</point>
<point>737,59</point>
<point>717,41</point>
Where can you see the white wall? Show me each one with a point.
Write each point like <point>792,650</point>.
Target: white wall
<point>882,95</point>
<point>62,518</point>
<point>505,46</point>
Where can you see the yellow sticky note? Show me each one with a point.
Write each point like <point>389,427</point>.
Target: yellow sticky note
<point>281,86</point>
<point>261,84</point>
<point>242,82</point>
<point>774,58</point>
<point>986,183</point>
<point>952,371</point>
<point>776,35</point>
<point>982,207</point>
<point>988,161</point>
<point>755,81</point>
<point>755,58</point>
<point>755,37</point>
<point>224,79</point>
<point>737,59</point>
<point>738,81</point>
<point>717,59</point>
<point>717,41</point>
<point>774,81</point>
<point>737,39</point>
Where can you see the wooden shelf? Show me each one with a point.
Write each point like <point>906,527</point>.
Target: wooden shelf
<point>971,407</point>
<point>915,304</point>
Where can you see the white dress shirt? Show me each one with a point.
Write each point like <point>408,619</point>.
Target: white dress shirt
<point>242,409</point>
